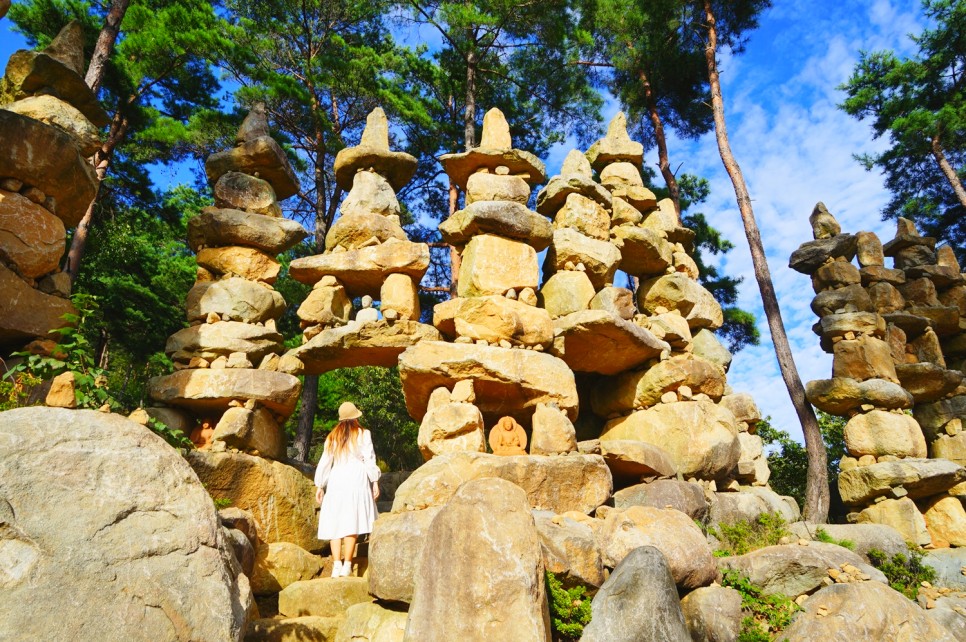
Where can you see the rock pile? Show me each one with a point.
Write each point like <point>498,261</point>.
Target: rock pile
<point>229,380</point>
<point>49,121</point>
<point>368,255</point>
<point>890,331</point>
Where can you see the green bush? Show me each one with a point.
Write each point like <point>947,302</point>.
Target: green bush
<point>821,535</point>
<point>765,616</point>
<point>743,537</point>
<point>569,609</point>
<point>905,573</point>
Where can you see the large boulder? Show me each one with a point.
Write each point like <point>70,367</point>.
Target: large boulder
<point>216,227</point>
<point>502,218</point>
<point>600,341</point>
<point>46,158</point>
<point>671,532</point>
<point>679,292</point>
<point>213,340</point>
<point>368,622</point>
<point>394,547</point>
<point>901,514</point>
<point>749,505</point>
<point>839,396</point>
<point>948,564</point>
<point>793,570</point>
<point>864,537</point>
<point>684,496</point>
<point>100,518</point>
<point>207,390</point>
<point>920,478</point>
<point>295,629</point>
<point>26,312</point>
<point>281,563</point>
<point>863,611</point>
<point>363,271</point>
<point>701,438</point>
<point>374,343</point>
<point>258,156</point>
<point>600,258</point>
<point>492,264</point>
<point>280,498</point>
<point>507,382</point>
<point>322,597</point>
<point>576,482</point>
<point>644,388</point>
<point>356,230</point>
<point>713,613</point>
<point>633,460</point>
<point>451,427</point>
<point>879,432</point>
<point>31,238</point>
<point>234,299</point>
<point>570,549</point>
<point>638,603</point>
<point>488,538</point>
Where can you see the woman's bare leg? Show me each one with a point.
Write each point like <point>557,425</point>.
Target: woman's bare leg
<point>336,546</point>
<point>349,548</point>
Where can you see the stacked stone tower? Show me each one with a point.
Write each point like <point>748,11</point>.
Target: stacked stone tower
<point>49,121</point>
<point>367,256</point>
<point>885,328</point>
<point>230,384</point>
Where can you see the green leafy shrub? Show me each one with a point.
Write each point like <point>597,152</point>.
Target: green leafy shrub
<point>569,609</point>
<point>765,616</point>
<point>74,353</point>
<point>905,572</point>
<point>743,537</point>
<point>822,535</point>
<point>221,502</point>
<point>15,390</point>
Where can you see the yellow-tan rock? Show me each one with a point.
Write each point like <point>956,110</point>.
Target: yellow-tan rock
<point>368,622</point>
<point>26,312</point>
<point>600,341</point>
<point>700,437</point>
<point>62,115</point>
<point>483,186</point>
<point>494,318</point>
<point>206,390</point>
<point>644,388</point>
<point>377,343</point>
<point>281,563</point>
<point>401,294</point>
<point>280,498</point>
<point>220,227</point>
<point>294,629</point>
<point>900,514</point>
<point>323,597</point>
<point>362,271</point>
<point>212,340</point>
<point>235,190</point>
<point>577,482</point>
<point>945,521</point>
<point>356,230</point>
<point>643,251</point>
<point>501,218</point>
<point>879,432</point>
<point>245,262</point>
<point>507,382</point>
<point>567,292</point>
<point>584,215</point>
<point>493,265</point>
<point>234,299</point>
<point>31,238</point>
<point>451,427</point>
<point>678,292</point>
<point>600,258</point>
<point>325,305</point>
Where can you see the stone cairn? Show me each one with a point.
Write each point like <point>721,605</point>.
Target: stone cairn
<point>891,332</point>
<point>230,388</point>
<point>49,122</point>
<point>367,256</point>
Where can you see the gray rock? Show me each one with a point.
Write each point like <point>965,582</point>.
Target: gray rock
<point>810,256</point>
<point>666,493</point>
<point>100,518</point>
<point>945,615</point>
<point>793,570</point>
<point>242,547</point>
<point>638,603</point>
<point>713,614</point>
<point>570,550</point>
<point>863,611</point>
<point>948,564</point>
<point>864,537</point>
<point>395,544</point>
<point>748,505</point>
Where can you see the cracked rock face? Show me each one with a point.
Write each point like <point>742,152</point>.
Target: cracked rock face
<point>105,525</point>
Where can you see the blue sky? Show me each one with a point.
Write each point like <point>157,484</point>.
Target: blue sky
<point>794,147</point>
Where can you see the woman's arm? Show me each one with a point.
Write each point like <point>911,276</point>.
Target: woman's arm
<point>324,467</point>
<point>369,458</point>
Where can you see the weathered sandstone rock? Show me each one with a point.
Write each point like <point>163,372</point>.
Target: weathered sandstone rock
<point>26,312</point>
<point>570,549</point>
<point>142,532</point>
<point>920,477</point>
<point>377,343</point>
<point>501,218</point>
<point>362,271</point>
<point>599,341</point>
<point>219,227</point>
<point>31,238</point>
<point>281,563</point>
<point>211,390</point>
<point>644,388</point>
<point>880,433</point>
<point>576,482</point>
<point>234,299</point>
<point>488,535</point>
<point>395,546</point>
<point>678,292</point>
<point>323,597</point>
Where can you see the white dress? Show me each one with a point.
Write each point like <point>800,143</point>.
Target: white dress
<point>347,507</point>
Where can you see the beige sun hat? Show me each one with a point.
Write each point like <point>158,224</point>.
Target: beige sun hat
<point>348,410</point>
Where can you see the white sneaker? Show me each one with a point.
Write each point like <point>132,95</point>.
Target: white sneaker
<point>346,569</point>
<point>337,569</point>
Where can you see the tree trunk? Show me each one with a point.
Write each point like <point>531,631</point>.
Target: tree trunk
<point>817,489</point>
<point>469,115</point>
<point>948,170</point>
<point>674,192</point>
<point>105,44</point>
<point>102,160</point>
<point>303,432</point>
<point>454,256</point>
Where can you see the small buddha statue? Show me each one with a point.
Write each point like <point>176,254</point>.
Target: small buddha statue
<point>508,438</point>
<point>367,313</point>
<point>201,435</point>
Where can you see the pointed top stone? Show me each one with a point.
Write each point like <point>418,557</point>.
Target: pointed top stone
<point>906,227</point>
<point>946,257</point>
<point>616,146</point>
<point>824,225</point>
<point>376,133</point>
<point>254,125</point>
<point>67,47</point>
<point>373,153</point>
<point>576,164</point>
<point>496,131</point>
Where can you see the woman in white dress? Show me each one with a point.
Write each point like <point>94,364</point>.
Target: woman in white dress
<point>348,471</point>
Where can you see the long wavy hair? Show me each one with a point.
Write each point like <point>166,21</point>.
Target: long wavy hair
<point>345,434</point>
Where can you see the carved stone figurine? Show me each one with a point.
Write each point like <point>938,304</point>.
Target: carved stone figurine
<point>508,438</point>
<point>201,435</point>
